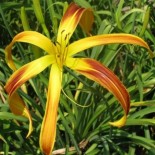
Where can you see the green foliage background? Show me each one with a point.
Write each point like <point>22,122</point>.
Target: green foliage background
<point>85,130</point>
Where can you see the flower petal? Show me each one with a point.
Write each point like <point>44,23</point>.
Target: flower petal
<point>87,20</point>
<point>104,39</point>
<point>70,20</point>
<point>48,129</point>
<point>26,72</point>
<point>101,74</point>
<point>18,107</point>
<point>31,37</point>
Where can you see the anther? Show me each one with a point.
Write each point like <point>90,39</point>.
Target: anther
<point>58,43</point>
<point>62,31</point>
<point>65,37</point>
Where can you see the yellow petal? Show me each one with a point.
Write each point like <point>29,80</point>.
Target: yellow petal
<point>105,77</point>
<point>48,129</point>
<point>26,72</point>
<point>120,122</point>
<point>31,37</point>
<point>18,107</point>
<point>71,19</point>
<point>104,39</point>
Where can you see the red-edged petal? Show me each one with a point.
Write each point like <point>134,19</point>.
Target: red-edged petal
<point>26,72</point>
<point>105,39</point>
<point>18,107</point>
<point>97,72</point>
<point>70,20</point>
<point>48,129</point>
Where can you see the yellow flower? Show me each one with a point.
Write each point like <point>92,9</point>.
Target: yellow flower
<point>62,54</point>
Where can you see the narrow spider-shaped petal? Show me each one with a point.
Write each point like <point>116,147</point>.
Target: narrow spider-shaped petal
<point>95,71</point>
<point>17,106</point>
<point>105,39</point>
<point>26,72</point>
<point>31,37</point>
<point>48,130</point>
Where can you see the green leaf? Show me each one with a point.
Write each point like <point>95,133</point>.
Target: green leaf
<point>136,122</point>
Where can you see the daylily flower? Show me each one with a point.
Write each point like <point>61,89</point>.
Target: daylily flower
<point>60,54</point>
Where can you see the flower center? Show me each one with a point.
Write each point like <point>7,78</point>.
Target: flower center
<point>62,49</point>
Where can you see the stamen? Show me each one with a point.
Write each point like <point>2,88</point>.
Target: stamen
<point>65,37</point>
<point>83,106</point>
<point>66,47</point>
<point>58,43</point>
<point>62,48</point>
<point>62,31</point>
